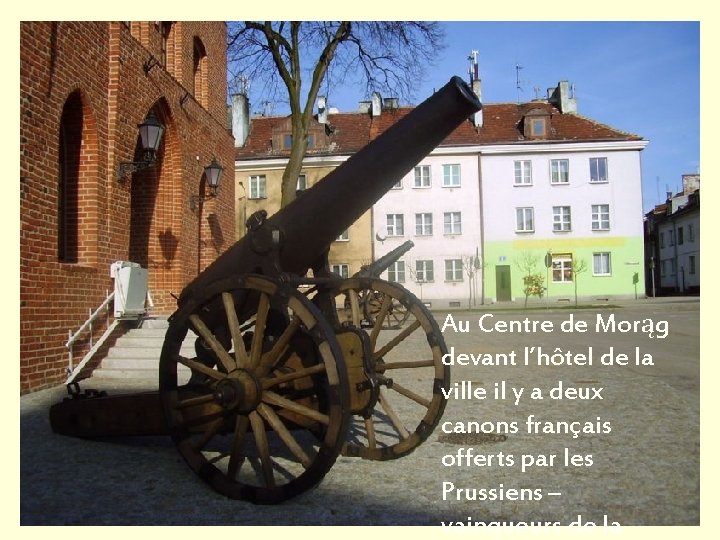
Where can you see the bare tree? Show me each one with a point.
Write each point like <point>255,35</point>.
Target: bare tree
<point>526,262</point>
<point>579,266</point>
<point>387,56</point>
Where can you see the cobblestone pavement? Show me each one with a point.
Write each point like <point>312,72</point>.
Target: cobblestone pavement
<point>645,471</point>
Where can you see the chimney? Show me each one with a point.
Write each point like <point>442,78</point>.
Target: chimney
<point>691,183</point>
<point>364,106</point>
<point>563,97</point>
<point>322,110</point>
<point>240,119</point>
<point>376,104</point>
<point>476,84</point>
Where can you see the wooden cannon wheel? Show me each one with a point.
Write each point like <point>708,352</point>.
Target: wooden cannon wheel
<point>402,395</point>
<point>262,412</point>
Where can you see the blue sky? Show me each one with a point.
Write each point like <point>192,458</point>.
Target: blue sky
<point>639,77</point>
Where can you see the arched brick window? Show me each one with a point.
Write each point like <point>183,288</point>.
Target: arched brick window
<point>200,78</point>
<point>77,183</point>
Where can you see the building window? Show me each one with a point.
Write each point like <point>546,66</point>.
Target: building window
<point>423,224</point>
<point>287,140</point>
<point>422,176</point>
<point>258,189</point>
<point>561,218</point>
<point>452,223</point>
<point>524,220</point>
<point>451,175</point>
<point>601,264</point>
<point>301,183</point>
<point>200,76</point>
<point>344,236</point>
<point>598,170</point>
<point>396,272</point>
<point>662,239</point>
<point>166,48</point>
<point>562,269</point>
<point>691,233</point>
<point>559,171</point>
<point>523,173</point>
<point>453,270</point>
<point>681,236</point>
<point>692,264</point>
<point>600,217</point>
<point>424,272</point>
<point>663,268</point>
<point>537,127</point>
<point>342,270</point>
<point>395,225</point>
<point>671,236</point>
<point>673,266</point>
<point>397,185</point>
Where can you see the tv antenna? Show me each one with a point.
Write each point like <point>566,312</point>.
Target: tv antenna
<point>518,67</point>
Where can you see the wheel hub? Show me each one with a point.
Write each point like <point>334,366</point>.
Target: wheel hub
<point>240,391</point>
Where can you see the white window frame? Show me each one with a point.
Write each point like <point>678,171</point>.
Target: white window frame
<point>396,272</point>
<point>521,219</point>
<point>523,172</point>
<point>453,270</point>
<point>563,263</point>
<point>600,217</point>
<point>452,223</point>
<point>423,224</point>
<point>595,174</point>
<point>562,219</point>
<point>395,224</point>
<point>691,232</point>
<point>344,236</point>
<point>301,183</point>
<point>451,175</point>
<point>423,179</point>
<point>603,261</point>
<point>342,269</point>
<point>258,186</point>
<point>557,175</point>
<point>398,184</point>
<point>424,271</point>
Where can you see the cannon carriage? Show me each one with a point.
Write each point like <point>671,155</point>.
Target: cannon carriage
<point>291,371</point>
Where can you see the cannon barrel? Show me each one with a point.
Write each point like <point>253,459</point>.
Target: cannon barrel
<point>376,268</point>
<point>304,229</point>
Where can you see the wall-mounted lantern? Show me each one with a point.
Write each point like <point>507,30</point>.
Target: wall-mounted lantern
<point>211,175</point>
<point>151,132</point>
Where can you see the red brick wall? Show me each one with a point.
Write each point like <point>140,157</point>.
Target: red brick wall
<point>146,215</point>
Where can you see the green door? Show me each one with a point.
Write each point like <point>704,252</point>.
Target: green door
<point>502,283</point>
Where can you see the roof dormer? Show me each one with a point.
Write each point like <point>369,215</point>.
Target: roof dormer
<point>536,123</point>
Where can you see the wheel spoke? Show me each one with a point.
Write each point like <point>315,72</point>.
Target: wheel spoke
<point>268,359</point>
<point>209,433</point>
<point>227,362</point>
<point>274,420</point>
<point>410,394</point>
<point>241,358</point>
<point>259,336</point>
<point>370,428</point>
<point>396,340</point>
<point>258,427</point>
<point>192,402</point>
<point>394,418</point>
<point>287,377</point>
<point>274,399</point>
<point>194,365</point>
<point>380,319</point>
<point>381,367</point>
<point>355,307</point>
<point>236,457</point>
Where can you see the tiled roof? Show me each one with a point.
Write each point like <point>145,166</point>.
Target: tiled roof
<point>502,124</point>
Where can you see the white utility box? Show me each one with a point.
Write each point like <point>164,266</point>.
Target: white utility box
<point>131,288</point>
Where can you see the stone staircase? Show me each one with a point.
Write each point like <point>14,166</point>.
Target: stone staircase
<point>136,354</point>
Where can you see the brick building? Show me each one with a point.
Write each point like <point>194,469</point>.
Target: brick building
<point>84,89</point>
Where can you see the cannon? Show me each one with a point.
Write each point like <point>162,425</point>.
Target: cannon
<point>289,370</point>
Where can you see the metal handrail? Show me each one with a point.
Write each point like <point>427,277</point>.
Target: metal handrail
<point>87,325</point>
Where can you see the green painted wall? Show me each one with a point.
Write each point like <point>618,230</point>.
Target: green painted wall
<point>626,259</point>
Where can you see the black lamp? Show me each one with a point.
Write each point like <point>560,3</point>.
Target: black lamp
<point>211,176</point>
<point>151,132</point>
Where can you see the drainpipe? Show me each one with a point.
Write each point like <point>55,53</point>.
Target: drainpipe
<point>482,232</point>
